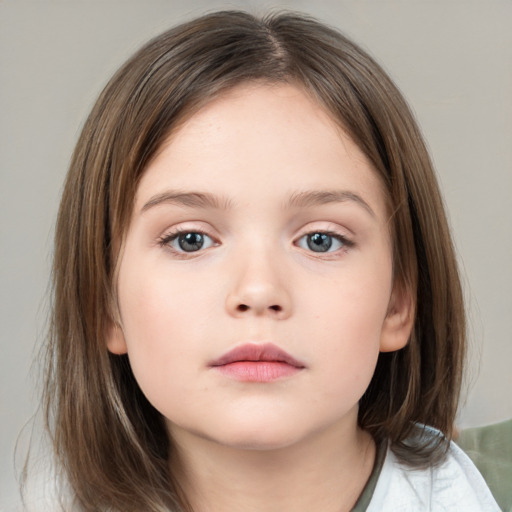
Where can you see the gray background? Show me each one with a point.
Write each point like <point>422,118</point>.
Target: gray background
<point>452,59</point>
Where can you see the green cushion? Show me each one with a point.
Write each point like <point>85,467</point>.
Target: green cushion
<point>490,448</point>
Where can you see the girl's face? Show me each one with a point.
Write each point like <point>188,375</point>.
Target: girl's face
<point>255,287</point>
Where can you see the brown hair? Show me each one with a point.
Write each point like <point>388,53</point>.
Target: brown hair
<point>110,442</point>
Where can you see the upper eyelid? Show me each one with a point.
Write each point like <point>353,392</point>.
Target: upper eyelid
<point>343,238</point>
<point>205,228</point>
<point>190,227</point>
<point>180,231</point>
<point>325,227</point>
<point>171,234</point>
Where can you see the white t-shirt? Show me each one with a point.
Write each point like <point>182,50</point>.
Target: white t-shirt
<point>455,485</point>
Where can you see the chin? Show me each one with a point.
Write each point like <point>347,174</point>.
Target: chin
<point>266,442</point>
<point>256,436</point>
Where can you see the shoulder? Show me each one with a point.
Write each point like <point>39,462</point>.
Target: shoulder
<point>455,484</point>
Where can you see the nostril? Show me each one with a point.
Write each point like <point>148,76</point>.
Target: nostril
<point>244,307</point>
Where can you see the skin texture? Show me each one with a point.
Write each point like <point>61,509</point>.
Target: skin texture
<point>258,150</point>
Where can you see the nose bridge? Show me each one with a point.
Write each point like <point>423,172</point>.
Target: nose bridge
<point>259,286</point>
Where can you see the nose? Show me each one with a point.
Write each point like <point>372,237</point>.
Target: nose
<point>259,288</point>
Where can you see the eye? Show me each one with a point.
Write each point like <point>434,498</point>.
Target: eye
<point>322,242</point>
<point>188,241</point>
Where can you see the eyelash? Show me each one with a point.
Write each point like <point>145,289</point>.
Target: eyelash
<point>166,240</point>
<point>343,240</point>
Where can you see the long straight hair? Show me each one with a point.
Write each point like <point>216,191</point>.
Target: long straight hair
<point>111,444</point>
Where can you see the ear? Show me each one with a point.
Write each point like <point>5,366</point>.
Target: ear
<point>116,343</point>
<point>399,320</point>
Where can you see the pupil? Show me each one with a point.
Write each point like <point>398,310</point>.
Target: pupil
<point>319,242</point>
<point>190,242</point>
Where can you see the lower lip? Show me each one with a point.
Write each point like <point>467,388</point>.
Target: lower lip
<point>258,371</point>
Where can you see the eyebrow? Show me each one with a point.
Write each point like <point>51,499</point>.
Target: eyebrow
<point>303,199</point>
<point>317,198</point>
<point>189,199</point>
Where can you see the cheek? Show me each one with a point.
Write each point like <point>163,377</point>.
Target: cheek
<point>155,321</point>
<point>169,321</point>
<point>344,325</point>
<point>353,305</point>
<point>158,305</point>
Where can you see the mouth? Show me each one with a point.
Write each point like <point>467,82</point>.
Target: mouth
<point>254,362</point>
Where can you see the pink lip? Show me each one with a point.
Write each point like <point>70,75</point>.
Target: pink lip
<point>257,363</point>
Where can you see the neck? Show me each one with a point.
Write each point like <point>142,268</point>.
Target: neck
<point>325,472</point>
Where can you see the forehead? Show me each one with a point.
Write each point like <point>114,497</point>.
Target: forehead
<point>260,138</point>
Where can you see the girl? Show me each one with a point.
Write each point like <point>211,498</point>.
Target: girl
<point>256,300</point>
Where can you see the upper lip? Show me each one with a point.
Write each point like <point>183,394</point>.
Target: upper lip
<point>257,352</point>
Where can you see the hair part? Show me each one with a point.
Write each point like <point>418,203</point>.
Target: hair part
<point>111,443</point>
